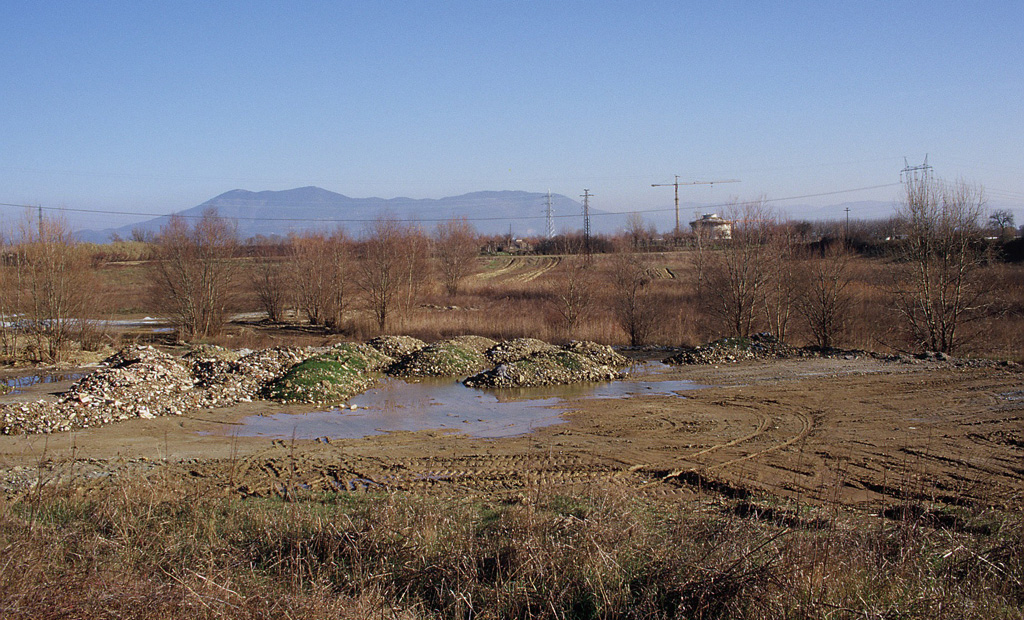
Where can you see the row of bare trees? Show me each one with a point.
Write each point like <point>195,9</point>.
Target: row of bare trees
<point>764,275</point>
<point>322,277</point>
<point>768,274</point>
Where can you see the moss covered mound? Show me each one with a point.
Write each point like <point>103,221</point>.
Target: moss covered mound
<point>334,376</point>
<point>545,368</point>
<point>448,358</point>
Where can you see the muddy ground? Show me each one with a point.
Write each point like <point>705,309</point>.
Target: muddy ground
<point>862,432</point>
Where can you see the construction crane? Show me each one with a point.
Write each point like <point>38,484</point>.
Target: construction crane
<point>677,184</point>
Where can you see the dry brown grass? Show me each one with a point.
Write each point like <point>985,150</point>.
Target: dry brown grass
<point>167,549</point>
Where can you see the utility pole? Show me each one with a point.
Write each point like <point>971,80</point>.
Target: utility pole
<point>586,220</point>
<point>677,184</point>
<point>847,224</point>
<point>551,218</point>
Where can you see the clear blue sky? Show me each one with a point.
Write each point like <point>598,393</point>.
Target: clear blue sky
<point>158,106</point>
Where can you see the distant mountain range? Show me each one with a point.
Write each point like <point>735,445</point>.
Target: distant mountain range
<point>270,213</point>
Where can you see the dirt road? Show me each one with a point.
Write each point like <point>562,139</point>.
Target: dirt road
<point>860,431</point>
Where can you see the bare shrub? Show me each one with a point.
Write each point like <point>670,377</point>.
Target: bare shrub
<point>631,302</point>
<point>393,269</point>
<point>319,271</point>
<point>938,283</point>
<point>456,247</point>
<point>826,295</point>
<point>272,286</point>
<point>572,293</point>
<point>783,285</point>
<point>54,287</point>
<point>733,278</point>
<point>193,274</point>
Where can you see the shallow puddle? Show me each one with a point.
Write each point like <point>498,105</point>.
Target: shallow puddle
<point>18,384</point>
<point>448,405</point>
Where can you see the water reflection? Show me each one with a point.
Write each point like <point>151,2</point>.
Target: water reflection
<point>445,404</point>
<point>18,384</point>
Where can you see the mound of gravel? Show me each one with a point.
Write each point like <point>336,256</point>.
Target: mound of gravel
<point>517,349</point>
<point>210,351</point>
<point>396,346</point>
<point>330,377</point>
<point>480,344</point>
<point>143,382</point>
<point>559,367</point>
<point>448,358</point>
<point>728,350</point>
<point>598,353</point>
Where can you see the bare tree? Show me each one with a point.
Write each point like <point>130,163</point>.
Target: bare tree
<point>937,285</point>
<point>734,278</point>
<point>320,274</point>
<point>57,287</point>
<point>393,269</point>
<point>12,276</point>
<point>1001,220</point>
<point>572,292</point>
<point>825,296</point>
<point>638,232</point>
<point>193,272</point>
<point>456,246</point>
<point>783,283</point>
<point>271,283</point>
<point>631,277</point>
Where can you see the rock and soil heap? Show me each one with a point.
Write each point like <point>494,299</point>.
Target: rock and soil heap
<point>396,346</point>
<point>517,349</point>
<point>728,350</point>
<point>578,362</point>
<point>454,357</point>
<point>330,377</point>
<point>143,382</point>
<point>557,367</point>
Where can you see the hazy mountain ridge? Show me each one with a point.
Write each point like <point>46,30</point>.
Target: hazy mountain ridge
<point>272,212</point>
<point>312,208</point>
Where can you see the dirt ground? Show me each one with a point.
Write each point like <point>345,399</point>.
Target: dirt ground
<point>859,431</point>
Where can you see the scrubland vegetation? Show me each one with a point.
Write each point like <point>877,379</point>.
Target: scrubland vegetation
<point>166,549</point>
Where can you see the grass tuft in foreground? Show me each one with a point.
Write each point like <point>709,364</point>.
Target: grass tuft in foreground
<point>170,550</point>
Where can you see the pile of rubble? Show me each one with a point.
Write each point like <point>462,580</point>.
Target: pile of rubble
<point>459,356</point>
<point>143,382</point>
<point>517,349</point>
<point>330,377</point>
<point>729,350</point>
<point>396,346</point>
<point>549,367</point>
